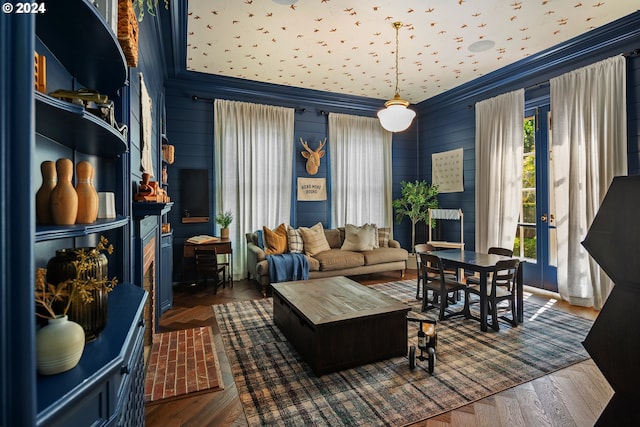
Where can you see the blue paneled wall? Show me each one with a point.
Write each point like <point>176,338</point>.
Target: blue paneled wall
<point>190,129</point>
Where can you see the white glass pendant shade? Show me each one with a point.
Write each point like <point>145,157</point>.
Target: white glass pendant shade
<point>396,117</point>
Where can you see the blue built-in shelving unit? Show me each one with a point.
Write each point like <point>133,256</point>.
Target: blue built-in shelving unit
<point>107,386</point>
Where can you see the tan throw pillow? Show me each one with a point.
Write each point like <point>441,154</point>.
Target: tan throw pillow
<point>374,236</point>
<point>358,238</point>
<point>384,234</point>
<point>333,238</point>
<point>314,239</point>
<point>296,244</point>
<point>275,241</point>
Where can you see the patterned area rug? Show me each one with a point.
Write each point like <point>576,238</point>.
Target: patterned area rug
<point>182,363</point>
<point>277,387</point>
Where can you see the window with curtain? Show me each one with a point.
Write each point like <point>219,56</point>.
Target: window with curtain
<point>499,145</point>
<point>253,168</point>
<point>589,149</point>
<point>360,157</point>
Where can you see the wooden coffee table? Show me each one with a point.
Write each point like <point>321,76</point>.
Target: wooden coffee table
<point>336,323</point>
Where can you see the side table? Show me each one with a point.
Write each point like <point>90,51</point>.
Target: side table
<point>222,247</point>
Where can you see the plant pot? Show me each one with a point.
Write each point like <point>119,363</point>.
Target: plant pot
<point>224,233</point>
<point>91,316</point>
<point>59,346</point>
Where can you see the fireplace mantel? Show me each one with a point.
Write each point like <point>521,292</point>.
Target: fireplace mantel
<point>144,209</point>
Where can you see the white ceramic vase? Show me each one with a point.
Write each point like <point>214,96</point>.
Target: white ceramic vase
<point>59,346</point>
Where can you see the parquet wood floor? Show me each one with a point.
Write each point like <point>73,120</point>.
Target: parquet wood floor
<point>574,396</point>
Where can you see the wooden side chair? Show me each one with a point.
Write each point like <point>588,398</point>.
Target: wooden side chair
<point>206,262</point>
<point>443,287</point>
<point>421,248</point>
<point>500,288</point>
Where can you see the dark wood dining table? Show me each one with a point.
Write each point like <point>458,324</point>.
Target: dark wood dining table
<point>483,264</point>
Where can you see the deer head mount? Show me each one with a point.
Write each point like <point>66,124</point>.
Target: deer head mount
<point>313,157</point>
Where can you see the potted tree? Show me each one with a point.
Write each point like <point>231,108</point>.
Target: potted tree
<point>223,219</point>
<point>416,198</point>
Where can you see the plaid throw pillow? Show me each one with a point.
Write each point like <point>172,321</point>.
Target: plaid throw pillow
<point>384,234</point>
<point>296,245</point>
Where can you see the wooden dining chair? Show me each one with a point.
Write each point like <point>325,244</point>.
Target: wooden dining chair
<point>421,248</point>
<point>443,287</point>
<point>206,263</point>
<point>475,280</point>
<point>501,287</point>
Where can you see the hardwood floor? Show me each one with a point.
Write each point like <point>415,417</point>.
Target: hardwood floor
<point>574,396</point>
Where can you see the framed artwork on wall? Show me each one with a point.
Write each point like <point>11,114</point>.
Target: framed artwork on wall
<point>447,172</point>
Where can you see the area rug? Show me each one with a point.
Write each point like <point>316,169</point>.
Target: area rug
<point>277,388</point>
<point>182,363</point>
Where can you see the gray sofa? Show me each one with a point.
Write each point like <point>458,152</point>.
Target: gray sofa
<point>334,262</point>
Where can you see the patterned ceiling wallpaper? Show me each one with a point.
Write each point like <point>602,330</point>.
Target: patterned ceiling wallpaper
<point>348,46</point>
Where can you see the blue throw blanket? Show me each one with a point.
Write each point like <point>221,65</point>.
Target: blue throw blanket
<point>287,267</point>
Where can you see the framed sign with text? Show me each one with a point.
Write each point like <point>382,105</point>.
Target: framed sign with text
<point>312,189</point>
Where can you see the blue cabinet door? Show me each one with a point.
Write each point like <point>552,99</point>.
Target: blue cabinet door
<point>165,288</point>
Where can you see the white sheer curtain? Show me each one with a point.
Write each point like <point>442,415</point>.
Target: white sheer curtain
<point>360,153</point>
<point>499,145</point>
<point>589,148</point>
<point>253,168</point>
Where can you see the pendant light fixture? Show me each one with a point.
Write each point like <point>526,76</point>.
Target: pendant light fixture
<point>396,117</point>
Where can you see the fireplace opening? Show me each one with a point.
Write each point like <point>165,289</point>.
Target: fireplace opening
<point>149,284</point>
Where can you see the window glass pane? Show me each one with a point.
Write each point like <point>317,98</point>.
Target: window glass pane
<point>525,241</point>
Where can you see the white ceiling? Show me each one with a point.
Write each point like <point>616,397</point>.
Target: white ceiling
<point>348,46</point>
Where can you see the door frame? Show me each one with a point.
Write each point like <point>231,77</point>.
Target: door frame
<point>542,274</point>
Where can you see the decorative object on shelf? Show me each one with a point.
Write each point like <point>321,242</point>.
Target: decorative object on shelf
<point>139,7</point>
<point>43,195</point>
<point>416,200</point>
<point>87,194</point>
<point>165,175</point>
<point>64,199</point>
<point>168,153</point>
<point>106,205</point>
<point>82,275</point>
<point>150,191</point>
<point>224,219</point>
<point>40,64</point>
<point>59,346</point>
<point>396,117</point>
<point>97,104</point>
<point>128,32</point>
<point>166,228</point>
<point>313,157</point>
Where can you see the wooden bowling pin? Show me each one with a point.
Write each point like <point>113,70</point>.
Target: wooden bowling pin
<point>64,199</point>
